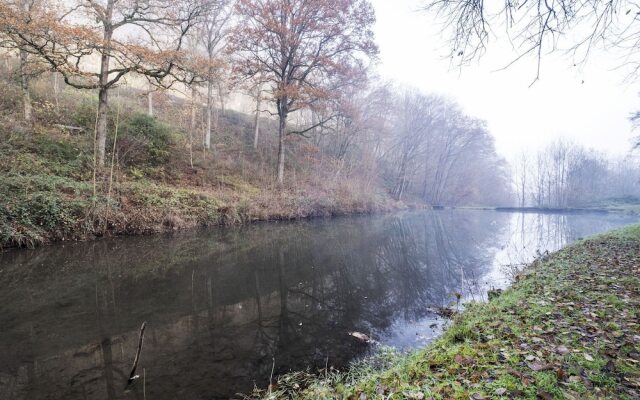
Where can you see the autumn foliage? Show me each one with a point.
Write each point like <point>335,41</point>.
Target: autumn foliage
<point>308,52</point>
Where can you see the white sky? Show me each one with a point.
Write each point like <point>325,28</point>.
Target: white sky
<point>413,51</point>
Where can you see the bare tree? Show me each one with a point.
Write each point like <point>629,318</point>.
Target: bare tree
<point>24,12</point>
<point>541,26</point>
<point>566,174</point>
<point>520,177</point>
<point>256,127</point>
<point>212,30</point>
<point>417,116</point>
<point>435,152</point>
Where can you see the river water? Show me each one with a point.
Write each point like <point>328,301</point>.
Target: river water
<point>225,306</point>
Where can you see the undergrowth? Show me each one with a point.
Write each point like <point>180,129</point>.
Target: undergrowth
<point>47,191</point>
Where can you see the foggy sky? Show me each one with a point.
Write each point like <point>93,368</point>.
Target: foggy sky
<point>413,50</point>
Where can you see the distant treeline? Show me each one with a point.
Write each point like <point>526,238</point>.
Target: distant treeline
<point>566,174</point>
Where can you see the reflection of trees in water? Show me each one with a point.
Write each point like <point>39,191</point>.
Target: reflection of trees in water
<point>529,235</point>
<point>221,305</point>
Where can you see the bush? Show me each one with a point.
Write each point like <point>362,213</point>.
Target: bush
<point>84,114</point>
<point>143,139</point>
<point>11,99</point>
<point>57,150</point>
<point>30,220</point>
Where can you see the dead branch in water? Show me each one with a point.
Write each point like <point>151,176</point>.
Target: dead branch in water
<point>132,375</point>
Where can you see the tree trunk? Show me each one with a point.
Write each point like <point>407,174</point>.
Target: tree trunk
<point>256,133</point>
<point>192,126</point>
<point>281,134</point>
<point>150,102</point>
<point>401,180</point>
<point>221,94</point>
<point>24,84</point>
<point>207,135</point>
<point>101,127</point>
<point>103,93</point>
<point>56,91</point>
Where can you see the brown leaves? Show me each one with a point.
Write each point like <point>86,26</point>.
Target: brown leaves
<point>539,366</point>
<point>544,395</point>
<point>308,50</point>
<point>462,360</point>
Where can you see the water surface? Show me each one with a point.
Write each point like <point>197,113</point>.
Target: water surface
<point>224,306</point>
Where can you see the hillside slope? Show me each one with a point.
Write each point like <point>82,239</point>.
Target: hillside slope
<point>159,178</point>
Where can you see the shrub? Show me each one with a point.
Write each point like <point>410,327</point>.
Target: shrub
<point>143,139</point>
<point>11,99</point>
<point>29,220</point>
<point>57,150</point>
<point>84,114</point>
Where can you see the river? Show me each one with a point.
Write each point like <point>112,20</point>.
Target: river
<point>225,306</point>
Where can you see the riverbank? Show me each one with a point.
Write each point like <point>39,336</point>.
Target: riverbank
<point>568,328</point>
<point>47,193</point>
<point>157,174</point>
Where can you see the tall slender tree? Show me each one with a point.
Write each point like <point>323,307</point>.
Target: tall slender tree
<point>213,28</point>
<point>24,12</point>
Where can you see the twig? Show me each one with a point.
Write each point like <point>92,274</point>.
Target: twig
<point>113,154</point>
<point>326,368</point>
<point>273,367</point>
<point>132,375</point>
<point>70,128</point>
<point>95,139</point>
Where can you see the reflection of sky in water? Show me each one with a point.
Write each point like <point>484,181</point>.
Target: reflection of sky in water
<point>523,238</point>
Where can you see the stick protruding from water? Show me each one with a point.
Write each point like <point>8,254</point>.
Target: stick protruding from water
<point>132,375</point>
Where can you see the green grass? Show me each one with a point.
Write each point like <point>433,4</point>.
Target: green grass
<point>568,329</point>
<point>626,205</point>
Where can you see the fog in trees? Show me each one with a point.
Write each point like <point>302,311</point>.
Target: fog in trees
<point>565,174</point>
<point>248,194</point>
<point>309,69</point>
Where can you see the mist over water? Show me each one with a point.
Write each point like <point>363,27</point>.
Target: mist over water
<point>221,305</point>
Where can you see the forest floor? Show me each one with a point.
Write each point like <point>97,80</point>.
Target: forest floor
<point>569,328</point>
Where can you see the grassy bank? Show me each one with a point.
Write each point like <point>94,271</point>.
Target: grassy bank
<point>47,193</point>
<point>567,329</point>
